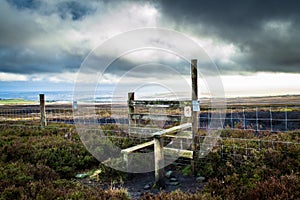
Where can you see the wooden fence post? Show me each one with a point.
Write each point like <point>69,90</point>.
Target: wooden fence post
<point>127,164</point>
<point>159,161</point>
<point>194,76</point>
<point>43,111</point>
<point>130,109</point>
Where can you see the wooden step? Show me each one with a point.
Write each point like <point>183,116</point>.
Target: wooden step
<point>179,152</point>
<point>137,147</point>
<point>181,135</point>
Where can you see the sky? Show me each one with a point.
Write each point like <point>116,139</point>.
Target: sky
<point>254,44</point>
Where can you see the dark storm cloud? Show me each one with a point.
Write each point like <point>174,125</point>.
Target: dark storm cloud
<point>39,36</point>
<point>28,61</point>
<point>23,4</point>
<point>75,9</point>
<point>55,36</point>
<point>32,38</point>
<point>267,33</point>
<point>150,68</point>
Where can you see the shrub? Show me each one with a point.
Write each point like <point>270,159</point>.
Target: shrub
<point>64,156</point>
<point>285,187</point>
<point>179,195</point>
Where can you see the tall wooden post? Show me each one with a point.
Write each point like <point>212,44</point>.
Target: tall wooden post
<point>195,105</point>
<point>130,109</point>
<point>43,111</point>
<point>159,161</point>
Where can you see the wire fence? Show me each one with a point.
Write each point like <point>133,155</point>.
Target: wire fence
<point>246,129</point>
<point>256,118</point>
<point>262,118</point>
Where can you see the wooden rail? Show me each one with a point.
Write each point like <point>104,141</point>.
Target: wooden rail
<point>137,147</point>
<point>172,130</point>
<point>179,152</point>
<point>160,150</point>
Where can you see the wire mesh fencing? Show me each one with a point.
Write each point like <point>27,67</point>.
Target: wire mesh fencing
<point>256,118</point>
<point>247,129</point>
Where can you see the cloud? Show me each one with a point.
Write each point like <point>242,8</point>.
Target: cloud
<point>12,77</point>
<point>55,36</point>
<point>52,38</point>
<point>265,33</point>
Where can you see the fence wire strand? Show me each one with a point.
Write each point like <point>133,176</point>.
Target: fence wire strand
<point>245,127</point>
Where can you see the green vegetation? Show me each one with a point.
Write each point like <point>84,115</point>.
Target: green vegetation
<point>287,109</point>
<point>268,168</point>
<point>16,101</point>
<point>186,171</point>
<point>40,163</point>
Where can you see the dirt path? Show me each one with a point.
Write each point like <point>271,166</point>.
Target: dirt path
<point>137,184</point>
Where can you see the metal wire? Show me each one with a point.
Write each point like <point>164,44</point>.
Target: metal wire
<point>252,123</point>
